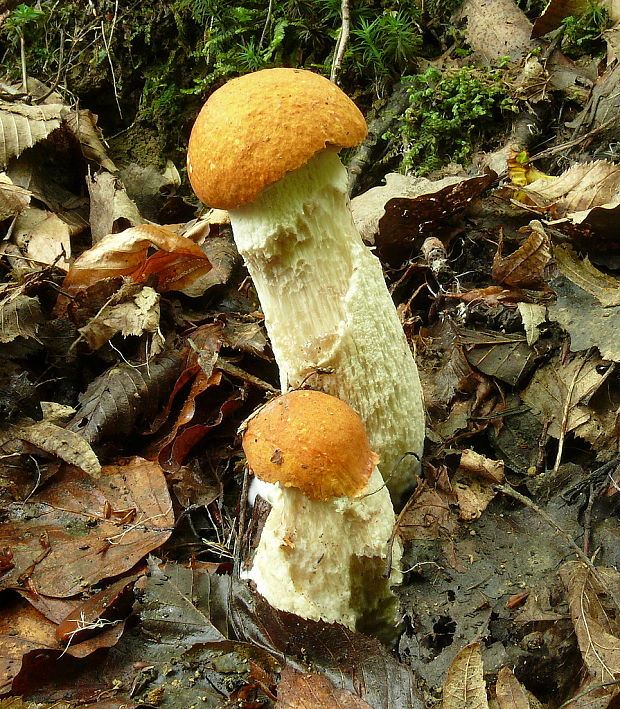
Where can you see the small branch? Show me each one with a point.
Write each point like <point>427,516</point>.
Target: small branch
<point>343,40</point>
<point>22,54</point>
<point>266,25</point>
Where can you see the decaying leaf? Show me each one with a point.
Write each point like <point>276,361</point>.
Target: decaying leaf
<point>532,315</point>
<point>178,262</point>
<point>76,531</point>
<point>24,125</point>
<point>464,687</point>
<point>429,517</point>
<point>503,355</point>
<point>132,310</point>
<point>27,635</point>
<point>556,10</point>
<point>63,443</point>
<point>83,124</point>
<point>114,401</point>
<point>586,321</point>
<point>509,691</point>
<point>13,199</point>
<point>524,267</point>
<point>308,690</point>
<point>595,617</point>
<point>560,392</point>
<point>20,316</point>
<point>479,465</point>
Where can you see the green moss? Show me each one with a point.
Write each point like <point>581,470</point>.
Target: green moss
<point>449,113</point>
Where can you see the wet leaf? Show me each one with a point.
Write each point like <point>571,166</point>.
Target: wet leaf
<point>350,661</point>
<point>595,617</point>
<point>76,531</point>
<point>25,633</point>
<point>429,517</point>
<point>113,403</point>
<point>503,355</point>
<point>24,125</point>
<point>183,606</point>
<point>308,690</point>
<point>605,288</point>
<point>464,687</point>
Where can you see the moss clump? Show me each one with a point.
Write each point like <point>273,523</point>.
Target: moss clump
<point>449,113</point>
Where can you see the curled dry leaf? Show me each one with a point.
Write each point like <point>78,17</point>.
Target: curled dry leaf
<point>178,262</point>
<point>83,124</point>
<point>524,267</point>
<point>481,466</point>
<point>25,125</point>
<point>64,444</point>
<point>464,687</point>
<point>77,531</point>
<point>111,208</point>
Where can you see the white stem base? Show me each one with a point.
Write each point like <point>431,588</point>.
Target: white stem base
<point>329,315</point>
<point>326,560</point>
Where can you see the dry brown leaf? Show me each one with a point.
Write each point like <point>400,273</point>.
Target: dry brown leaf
<point>25,630</point>
<point>83,124</point>
<point>132,310</point>
<point>595,617</point>
<point>429,517</point>
<point>509,692</point>
<point>13,199</point>
<point>20,316</point>
<point>477,464</point>
<point>43,237</point>
<point>309,690</point>
<point>64,444</point>
<point>178,263</point>
<point>532,315</point>
<point>22,126</point>
<point>473,497</point>
<point>605,288</point>
<point>111,209</point>
<point>556,10</point>
<point>464,687</point>
<point>524,267</point>
<point>560,392</point>
<point>580,188</point>
<point>77,531</point>
<point>509,34</point>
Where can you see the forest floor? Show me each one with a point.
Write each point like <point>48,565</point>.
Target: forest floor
<point>133,347</point>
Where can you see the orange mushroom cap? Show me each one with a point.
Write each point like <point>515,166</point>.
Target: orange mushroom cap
<point>256,128</point>
<point>311,441</point>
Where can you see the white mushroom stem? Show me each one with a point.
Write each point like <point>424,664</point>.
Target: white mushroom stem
<point>327,308</point>
<point>327,560</point>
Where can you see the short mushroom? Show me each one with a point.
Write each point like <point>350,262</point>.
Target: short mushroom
<point>265,147</point>
<point>325,546</point>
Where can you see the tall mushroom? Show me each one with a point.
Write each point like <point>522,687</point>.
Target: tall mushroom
<point>325,546</point>
<point>265,147</point>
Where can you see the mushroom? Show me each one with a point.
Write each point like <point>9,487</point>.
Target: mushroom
<point>265,147</point>
<point>325,546</point>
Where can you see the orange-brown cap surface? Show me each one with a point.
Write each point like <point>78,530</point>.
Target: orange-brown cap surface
<point>312,441</point>
<point>256,128</point>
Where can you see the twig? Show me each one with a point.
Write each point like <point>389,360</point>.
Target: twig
<point>22,54</point>
<point>588,690</point>
<point>343,40</point>
<point>565,415</point>
<point>106,43</point>
<point>572,143</point>
<point>266,25</point>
